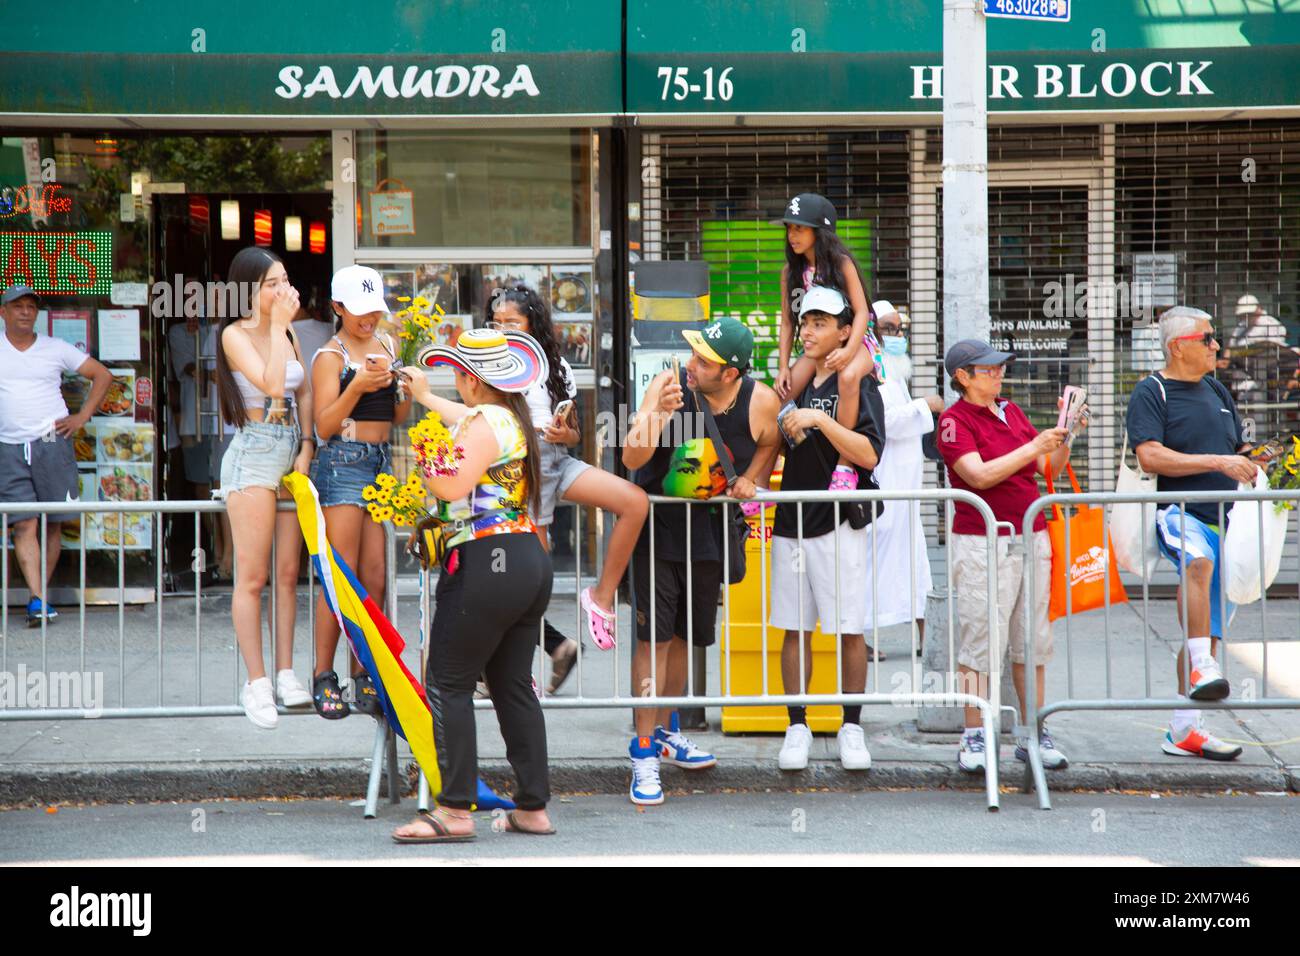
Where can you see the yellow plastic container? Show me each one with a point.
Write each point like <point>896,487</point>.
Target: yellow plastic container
<point>743,648</point>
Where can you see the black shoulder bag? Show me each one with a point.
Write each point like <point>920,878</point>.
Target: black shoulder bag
<point>734,535</point>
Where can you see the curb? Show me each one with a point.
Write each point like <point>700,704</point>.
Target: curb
<point>45,784</point>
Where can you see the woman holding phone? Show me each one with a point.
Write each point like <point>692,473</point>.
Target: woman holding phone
<point>265,395</point>
<point>358,397</point>
<point>521,309</point>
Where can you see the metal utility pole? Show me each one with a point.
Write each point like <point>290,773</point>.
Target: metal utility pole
<point>965,173</point>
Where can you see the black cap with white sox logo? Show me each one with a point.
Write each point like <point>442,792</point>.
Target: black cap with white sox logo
<point>360,289</point>
<point>810,209</point>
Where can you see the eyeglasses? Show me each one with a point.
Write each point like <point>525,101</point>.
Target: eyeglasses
<point>1205,337</point>
<point>992,371</point>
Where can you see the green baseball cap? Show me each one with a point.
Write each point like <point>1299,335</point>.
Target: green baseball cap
<point>725,341</point>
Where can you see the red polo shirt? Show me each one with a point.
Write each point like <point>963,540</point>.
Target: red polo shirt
<point>967,427</point>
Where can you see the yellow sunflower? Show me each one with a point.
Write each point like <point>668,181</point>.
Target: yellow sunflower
<point>421,302</point>
<point>386,481</point>
<point>401,521</point>
<point>369,492</point>
<point>384,497</point>
<point>403,298</point>
<point>401,500</point>
<point>385,514</point>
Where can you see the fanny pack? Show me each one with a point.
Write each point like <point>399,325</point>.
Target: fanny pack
<point>429,542</point>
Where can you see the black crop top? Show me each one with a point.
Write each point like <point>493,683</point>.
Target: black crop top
<point>380,406</point>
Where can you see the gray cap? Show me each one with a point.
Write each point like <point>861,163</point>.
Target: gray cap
<point>974,352</point>
<point>16,292</point>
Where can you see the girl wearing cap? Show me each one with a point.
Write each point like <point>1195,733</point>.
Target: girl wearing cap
<point>358,401</point>
<point>495,583</point>
<point>265,395</point>
<point>563,476</point>
<point>816,256</point>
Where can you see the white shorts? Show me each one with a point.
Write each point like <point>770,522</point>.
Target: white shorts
<point>813,577</point>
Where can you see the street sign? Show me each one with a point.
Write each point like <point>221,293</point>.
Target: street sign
<point>1055,11</point>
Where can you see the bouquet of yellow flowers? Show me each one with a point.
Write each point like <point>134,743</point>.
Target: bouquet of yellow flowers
<point>403,505</point>
<point>414,327</point>
<point>1285,473</point>
<point>435,451</point>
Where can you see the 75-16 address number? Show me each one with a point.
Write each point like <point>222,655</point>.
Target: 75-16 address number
<point>677,81</point>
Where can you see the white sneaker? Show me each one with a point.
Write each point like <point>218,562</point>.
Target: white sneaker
<point>794,751</point>
<point>290,689</point>
<point>259,703</point>
<point>970,755</point>
<point>646,790</point>
<point>1207,680</point>
<point>1053,759</point>
<point>853,748</point>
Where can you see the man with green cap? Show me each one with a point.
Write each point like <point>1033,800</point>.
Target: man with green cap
<point>669,449</point>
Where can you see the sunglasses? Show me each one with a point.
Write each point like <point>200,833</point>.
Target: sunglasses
<point>1205,338</point>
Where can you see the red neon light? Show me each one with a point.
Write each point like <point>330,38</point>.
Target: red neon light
<point>316,237</point>
<point>262,227</point>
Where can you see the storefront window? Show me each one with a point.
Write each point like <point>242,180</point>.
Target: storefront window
<point>503,188</point>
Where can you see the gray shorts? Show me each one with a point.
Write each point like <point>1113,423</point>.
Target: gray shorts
<point>559,471</point>
<point>39,471</point>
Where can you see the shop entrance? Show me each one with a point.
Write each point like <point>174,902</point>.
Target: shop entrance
<point>195,238</point>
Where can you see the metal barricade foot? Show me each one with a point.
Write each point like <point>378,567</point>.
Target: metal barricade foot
<point>376,770</point>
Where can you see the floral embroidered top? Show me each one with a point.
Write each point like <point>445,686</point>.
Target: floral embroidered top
<point>503,489</point>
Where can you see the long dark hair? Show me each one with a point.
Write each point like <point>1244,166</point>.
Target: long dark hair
<point>541,328</point>
<point>517,405</point>
<point>829,253</point>
<point>247,270</point>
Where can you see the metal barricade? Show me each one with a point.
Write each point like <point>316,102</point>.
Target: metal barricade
<point>1037,712</point>
<point>611,696</point>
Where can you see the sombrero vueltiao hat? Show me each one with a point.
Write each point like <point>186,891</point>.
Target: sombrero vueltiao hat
<point>510,361</point>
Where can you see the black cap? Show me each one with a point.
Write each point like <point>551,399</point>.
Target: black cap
<point>973,352</point>
<point>16,292</point>
<point>810,209</point>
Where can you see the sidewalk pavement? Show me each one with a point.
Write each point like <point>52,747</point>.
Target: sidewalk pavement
<point>44,762</point>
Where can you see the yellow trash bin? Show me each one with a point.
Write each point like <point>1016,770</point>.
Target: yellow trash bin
<point>742,648</point>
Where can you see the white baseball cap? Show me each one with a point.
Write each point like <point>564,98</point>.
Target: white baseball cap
<point>1247,305</point>
<point>360,289</point>
<point>821,299</point>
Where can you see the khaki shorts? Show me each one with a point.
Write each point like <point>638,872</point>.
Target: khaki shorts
<point>970,579</point>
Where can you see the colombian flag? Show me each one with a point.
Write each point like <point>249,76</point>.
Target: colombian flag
<point>374,640</point>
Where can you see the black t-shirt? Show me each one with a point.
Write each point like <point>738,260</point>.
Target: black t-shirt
<point>1194,418</point>
<point>806,470</point>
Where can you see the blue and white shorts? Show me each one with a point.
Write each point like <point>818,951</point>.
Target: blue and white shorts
<point>1202,541</point>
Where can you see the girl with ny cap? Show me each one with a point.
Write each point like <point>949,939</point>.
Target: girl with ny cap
<point>816,256</point>
<point>495,582</point>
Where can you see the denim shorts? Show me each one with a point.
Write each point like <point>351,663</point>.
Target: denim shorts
<point>342,468</point>
<point>259,456</point>
<point>559,470</point>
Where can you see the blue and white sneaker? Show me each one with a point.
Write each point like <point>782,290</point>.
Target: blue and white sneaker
<point>36,610</point>
<point>679,750</point>
<point>646,791</point>
<point>1053,759</point>
<point>971,754</point>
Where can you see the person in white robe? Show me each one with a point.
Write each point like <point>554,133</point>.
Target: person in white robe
<point>900,593</point>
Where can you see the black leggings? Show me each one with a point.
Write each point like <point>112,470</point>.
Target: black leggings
<point>486,623</point>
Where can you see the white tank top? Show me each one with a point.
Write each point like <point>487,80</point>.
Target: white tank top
<point>254,396</point>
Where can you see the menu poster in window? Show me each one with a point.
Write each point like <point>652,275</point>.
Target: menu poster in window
<point>439,284</point>
<point>120,399</point>
<point>119,335</point>
<point>71,529</point>
<point>507,277</point>
<point>72,326</point>
<point>572,294</point>
<point>575,341</point>
<point>129,482</point>
<point>398,284</point>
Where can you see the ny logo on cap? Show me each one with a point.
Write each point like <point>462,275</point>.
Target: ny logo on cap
<point>367,285</point>
<point>794,206</point>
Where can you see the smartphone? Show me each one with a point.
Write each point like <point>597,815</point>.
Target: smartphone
<point>377,361</point>
<point>562,412</point>
<point>677,370</point>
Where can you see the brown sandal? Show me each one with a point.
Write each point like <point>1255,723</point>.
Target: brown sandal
<point>514,826</point>
<point>441,833</point>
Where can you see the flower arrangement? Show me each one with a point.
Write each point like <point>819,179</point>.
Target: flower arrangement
<point>1285,473</point>
<point>414,326</point>
<point>436,454</point>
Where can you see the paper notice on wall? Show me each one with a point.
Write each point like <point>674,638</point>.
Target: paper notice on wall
<point>119,335</point>
<point>129,293</point>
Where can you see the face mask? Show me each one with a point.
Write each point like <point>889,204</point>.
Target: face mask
<point>894,344</point>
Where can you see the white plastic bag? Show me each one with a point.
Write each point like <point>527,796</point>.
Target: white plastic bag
<point>1128,520</point>
<point>1241,547</point>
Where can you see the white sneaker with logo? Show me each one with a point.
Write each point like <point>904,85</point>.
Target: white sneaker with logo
<point>970,755</point>
<point>794,751</point>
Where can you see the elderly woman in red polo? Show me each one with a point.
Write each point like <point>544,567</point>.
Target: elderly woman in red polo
<point>992,450</point>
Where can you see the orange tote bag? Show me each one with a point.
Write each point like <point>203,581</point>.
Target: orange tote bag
<point>1088,560</point>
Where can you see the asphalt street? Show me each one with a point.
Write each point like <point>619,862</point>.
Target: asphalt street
<point>875,828</point>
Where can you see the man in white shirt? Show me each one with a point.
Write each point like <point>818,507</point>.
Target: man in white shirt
<point>902,565</point>
<point>1255,325</point>
<point>36,458</point>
